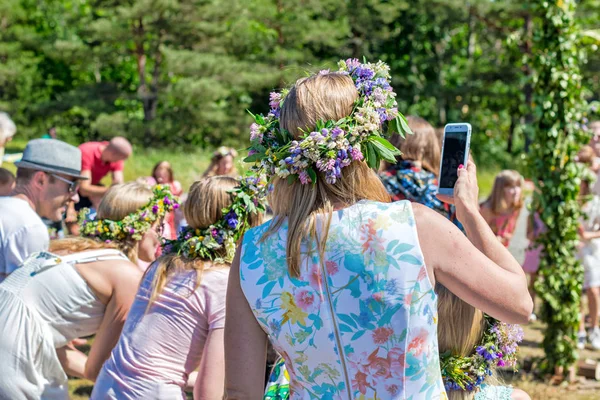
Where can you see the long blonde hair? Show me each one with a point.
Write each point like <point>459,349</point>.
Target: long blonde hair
<point>204,207</point>
<point>422,146</point>
<point>460,329</point>
<point>505,178</point>
<point>118,202</point>
<point>77,244</point>
<point>319,97</point>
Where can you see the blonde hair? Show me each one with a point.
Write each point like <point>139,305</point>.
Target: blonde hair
<point>422,146</point>
<point>505,178</point>
<point>319,97</point>
<point>118,202</point>
<point>204,207</point>
<point>78,244</point>
<point>460,329</point>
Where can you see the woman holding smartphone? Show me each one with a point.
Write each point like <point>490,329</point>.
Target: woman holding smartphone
<point>340,274</point>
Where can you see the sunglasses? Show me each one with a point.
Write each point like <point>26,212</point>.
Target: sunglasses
<point>73,185</point>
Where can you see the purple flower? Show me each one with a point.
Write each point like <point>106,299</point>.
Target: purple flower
<point>501,363</point>
<point>155,209</point>
<point>274,100</point>
<point>356,154</point>
<point>214,233</point>
<point>304,178</point>
<point>324,72</point>
<point>255,133</point>
<point>131,231</point>
<point>352,64</point>
<point>175,206</point>
<point>167,201</point>
<point>337,131</point>
<point>232,219</point>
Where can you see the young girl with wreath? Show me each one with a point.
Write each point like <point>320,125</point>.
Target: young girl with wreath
<point>175,325</point>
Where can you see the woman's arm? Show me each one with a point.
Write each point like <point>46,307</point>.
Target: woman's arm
<point>210,382</point>
<point>126,280</point>
<point>479,270</point>
<point>245,343</point>
<point>72,360</point>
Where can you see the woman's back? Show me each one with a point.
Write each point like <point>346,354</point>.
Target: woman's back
<point>160,347</point>
<point>364,318</point>
<point>51,286</point>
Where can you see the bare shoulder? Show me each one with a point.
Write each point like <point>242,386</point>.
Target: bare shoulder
<point>123,272</point>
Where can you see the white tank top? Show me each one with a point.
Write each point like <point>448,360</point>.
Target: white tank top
<point>51,286</point>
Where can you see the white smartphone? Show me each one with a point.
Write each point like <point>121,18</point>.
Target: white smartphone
<point>455,151</point>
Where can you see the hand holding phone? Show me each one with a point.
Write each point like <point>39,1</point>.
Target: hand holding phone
<point>455,152</point>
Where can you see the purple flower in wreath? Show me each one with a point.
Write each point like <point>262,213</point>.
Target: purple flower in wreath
<point>155,209</point>
<point>167,201</point>
<point>214,233</point>
<point>232,219</point>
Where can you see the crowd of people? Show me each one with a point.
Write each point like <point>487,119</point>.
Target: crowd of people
<point>362,280</point>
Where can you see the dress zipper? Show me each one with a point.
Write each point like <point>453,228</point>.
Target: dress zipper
<point>341,353</point>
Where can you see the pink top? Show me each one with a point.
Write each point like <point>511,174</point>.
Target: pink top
<point>504,225</point>
<point>158,349</point>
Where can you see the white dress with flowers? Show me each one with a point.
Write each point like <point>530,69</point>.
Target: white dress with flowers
<point>359,324</point>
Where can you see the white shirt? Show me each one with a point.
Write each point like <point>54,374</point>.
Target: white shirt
<point>22,233</point>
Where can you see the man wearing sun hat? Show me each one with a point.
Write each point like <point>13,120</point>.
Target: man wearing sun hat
<point>48,176</point>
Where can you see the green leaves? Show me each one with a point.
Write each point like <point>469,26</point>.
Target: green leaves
<point>559,99</point>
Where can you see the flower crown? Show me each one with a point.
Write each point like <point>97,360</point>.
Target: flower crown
<point>225,151</point>
<point>498,348</point>
<point>248,198</point>
<point>334,144</point>
<point>133,225</point>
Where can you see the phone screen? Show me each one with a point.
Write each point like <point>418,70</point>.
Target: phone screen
<point>455,145</point>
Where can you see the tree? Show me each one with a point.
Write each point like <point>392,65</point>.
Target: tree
<point>558,111</point>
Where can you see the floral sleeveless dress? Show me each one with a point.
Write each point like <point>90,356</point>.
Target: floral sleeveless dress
<point>359,324</point>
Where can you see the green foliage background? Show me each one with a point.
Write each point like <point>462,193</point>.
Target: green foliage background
<point>183,72</point>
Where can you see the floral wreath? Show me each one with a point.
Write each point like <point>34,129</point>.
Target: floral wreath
<point>498,348</point>
<point>134,225</point>
<point>248,198</point>
<point>334,144</point>
<point>225,151</point>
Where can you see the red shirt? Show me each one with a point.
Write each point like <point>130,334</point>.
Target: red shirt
<point>91,160</point>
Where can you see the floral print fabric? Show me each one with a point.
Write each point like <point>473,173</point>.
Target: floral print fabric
<point>359,324</point>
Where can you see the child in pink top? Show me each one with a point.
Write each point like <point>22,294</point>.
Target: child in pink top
<point>175,325</point>
<point>501,210</point>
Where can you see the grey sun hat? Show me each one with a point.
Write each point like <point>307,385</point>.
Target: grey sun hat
<point>51,155</point>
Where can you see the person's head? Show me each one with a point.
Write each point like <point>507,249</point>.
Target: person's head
<point>222,162</point>
<point>118,149</point>
<point>586,155</point>
<point>460,329</point>
<point>48,175</point>
<point>163,172</point>
<point>320,97</point>
<point>122,200</point>
<point>423,146</point>
<point>203,209</point>
<point>7,182</point>
<point>52,132</point>
<point>507,192</point>
<point>7,129</point>
<point>595,141</point>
